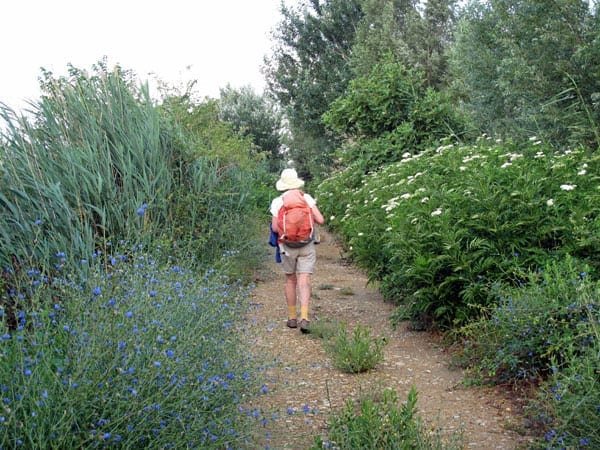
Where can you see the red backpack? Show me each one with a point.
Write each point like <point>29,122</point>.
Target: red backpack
<point>295,220</point>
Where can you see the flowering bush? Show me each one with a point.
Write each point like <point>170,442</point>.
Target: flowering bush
<point>439,228</point>
<point>134,355</point>
<point>536,329</point>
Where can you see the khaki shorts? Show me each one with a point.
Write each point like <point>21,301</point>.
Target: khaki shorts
<point>298,260</point>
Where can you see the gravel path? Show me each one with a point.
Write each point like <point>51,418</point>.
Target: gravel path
<point>304,387</point>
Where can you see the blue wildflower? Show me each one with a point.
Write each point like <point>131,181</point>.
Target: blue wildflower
<point>27,372</point>
<point>142,209</point>
<point>170,353</point>
<point>584,442</point>
<point>101,422</point>
<point>550,435</point>
<point>129,314</point>
<point>264,389</point>
<point>97,291</point>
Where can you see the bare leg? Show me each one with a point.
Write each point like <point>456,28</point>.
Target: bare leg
<point>304,291</point>
<point>290,289</point>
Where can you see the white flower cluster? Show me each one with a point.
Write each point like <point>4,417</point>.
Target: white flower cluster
<point>568,187</point>
<point>391,204</point>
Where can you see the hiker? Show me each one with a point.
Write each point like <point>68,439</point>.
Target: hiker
<point>298,254</point>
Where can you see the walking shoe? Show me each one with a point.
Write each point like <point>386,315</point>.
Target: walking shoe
<point>304,326</point>
<point>292,323</point>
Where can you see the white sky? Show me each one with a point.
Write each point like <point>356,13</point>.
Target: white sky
<point>221,41</point>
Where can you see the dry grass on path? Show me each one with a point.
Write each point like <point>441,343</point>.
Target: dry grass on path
<point>304,388</point>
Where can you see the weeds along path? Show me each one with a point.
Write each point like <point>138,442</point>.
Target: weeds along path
<point>303,388</point>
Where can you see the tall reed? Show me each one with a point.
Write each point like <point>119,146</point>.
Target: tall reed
<point>77,172</point>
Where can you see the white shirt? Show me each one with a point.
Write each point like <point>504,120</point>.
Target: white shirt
<point>277,203</point>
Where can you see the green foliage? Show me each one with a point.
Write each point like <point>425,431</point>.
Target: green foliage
<point>530,68</point>
<point>546,330</point>
<point>355,352</point>
<point>538,328</point>
<point>308,70</point>
<point>388,113</point>
<point>99,162</point>
<point>377,103</point>
<point>255,116</point>
<point>214,211</point>
<point>438,229</point>
<point>569,402</point>
<point>411,33</point>
<point>78,172</point>
<point>324,328</point>
<point>380,34</point>
<point>378,422</point>
<point>128,357</point>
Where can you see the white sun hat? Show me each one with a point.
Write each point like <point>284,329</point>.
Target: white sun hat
<point>289,180</point>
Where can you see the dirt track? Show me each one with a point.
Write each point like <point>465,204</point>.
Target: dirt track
<point>304,387</point>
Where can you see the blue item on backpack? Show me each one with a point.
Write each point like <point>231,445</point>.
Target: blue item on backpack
<point>273,238</point>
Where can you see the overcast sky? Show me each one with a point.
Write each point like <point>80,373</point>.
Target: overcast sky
<point>220,41</point>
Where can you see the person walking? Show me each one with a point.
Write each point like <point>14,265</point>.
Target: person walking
<point>298,259</point>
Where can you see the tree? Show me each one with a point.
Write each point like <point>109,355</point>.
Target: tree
<point>309,69</point>
<point>529,68</point>
<point>416,35</point>
<point>433,35</point>
<point>255,116</point>
<point>389,112</point>
<point>381,34</point>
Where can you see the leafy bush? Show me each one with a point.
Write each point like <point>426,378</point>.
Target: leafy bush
<point>356,352</point>
<point>440,228</point>
<point>390,112</point>
<point>137,355</point>
<point>570,402</point>
<point>536,329</point>
<point>378,422</point>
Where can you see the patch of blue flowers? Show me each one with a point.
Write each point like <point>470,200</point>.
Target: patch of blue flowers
<point>138,354</point>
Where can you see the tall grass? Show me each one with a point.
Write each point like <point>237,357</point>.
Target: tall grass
<point>76,174</point>
<point>97,161</point>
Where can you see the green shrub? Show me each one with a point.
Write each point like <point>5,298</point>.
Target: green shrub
<point>356,352</point>
<point>136,356</point>
<point>536,329</point>
<point>390,112</point>
<point>546,331</point>
<point>378,422</point>
<point>569,402</point>
<point>440,228</point>
<point>324,328</point>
